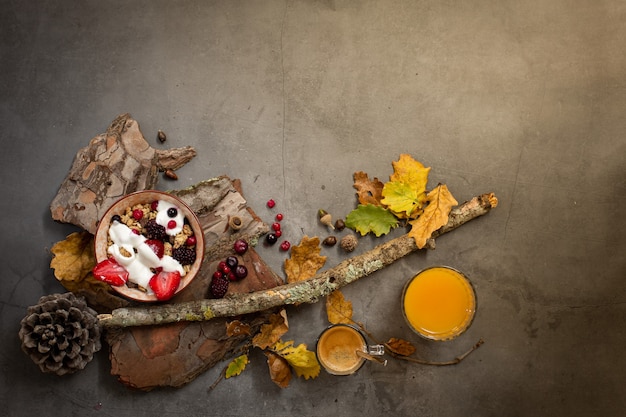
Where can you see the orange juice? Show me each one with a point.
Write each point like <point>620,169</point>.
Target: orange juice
<point>439,303</point>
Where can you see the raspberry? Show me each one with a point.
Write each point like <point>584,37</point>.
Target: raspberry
<point>271,203</point>
<point>219,287</point>
<point>137,214</point>
<point>155,230</point>
<point>184,255</point>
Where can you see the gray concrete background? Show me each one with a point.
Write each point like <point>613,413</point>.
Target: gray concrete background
<point>523,99</point>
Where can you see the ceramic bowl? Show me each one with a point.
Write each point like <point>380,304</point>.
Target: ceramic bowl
<point>143,197</point>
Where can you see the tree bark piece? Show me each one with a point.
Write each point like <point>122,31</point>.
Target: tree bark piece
<point>115,163</point>
<point>308,291</point>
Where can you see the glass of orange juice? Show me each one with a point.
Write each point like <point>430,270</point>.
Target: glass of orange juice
<point>439,303</point>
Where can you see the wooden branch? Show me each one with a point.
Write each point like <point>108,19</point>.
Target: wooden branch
<point>308,291</point>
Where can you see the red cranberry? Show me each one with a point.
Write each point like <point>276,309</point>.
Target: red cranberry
<point>285,245</point>
<point>271,203</point>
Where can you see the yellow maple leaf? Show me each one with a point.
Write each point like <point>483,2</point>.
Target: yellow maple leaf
<point>338,309</point>
<point>303,361</point>
<point>236,366</point>
<point>368,191</point>
<point>410,171</point>
<point>271,332</point>
<point>435,215</point>
<point>403,199</point>
<point>400,347</point>
<point>74,257</point>
<point>305,260</point>
<point>279,368</point>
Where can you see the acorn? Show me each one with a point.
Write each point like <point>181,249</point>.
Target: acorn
<point>325,218</point>
<point>161,136</point>
<point>340,225</point>
<point>330,241</point>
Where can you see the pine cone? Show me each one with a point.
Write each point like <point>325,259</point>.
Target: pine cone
<point>60,333</point>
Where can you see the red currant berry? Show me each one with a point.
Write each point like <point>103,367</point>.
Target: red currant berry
<point>279,217</point>
<point>221,266</point>
<point>232,276</point>
<point>171,224</point>
<point>217,275</point>
<point>275,226</point>
<point>154,205</point>
<point>137,214</point>
<point>278,233</point>
<point>271,203</point>
<point>240,246</point>
<point>285,245</point>
<point>191,241</point>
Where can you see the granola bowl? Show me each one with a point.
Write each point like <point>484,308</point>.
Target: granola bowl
<point>149,246</point>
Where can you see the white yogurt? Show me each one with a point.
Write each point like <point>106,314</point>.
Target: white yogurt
<point>141,259</point>
<point>164,219</point>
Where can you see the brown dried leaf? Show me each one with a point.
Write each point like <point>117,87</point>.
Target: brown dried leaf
<point>74,257</point>
<point>368,191</point>
<point>237,328</point>
<point>305,260</point>
<point>400,347</point>
<point>279,368</point>
<point>338,309</point>
<point>271,332</point>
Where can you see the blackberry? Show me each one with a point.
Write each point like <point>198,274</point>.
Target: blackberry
<point>184,254</point>
<point>155,230</point>
<point>219,286</point>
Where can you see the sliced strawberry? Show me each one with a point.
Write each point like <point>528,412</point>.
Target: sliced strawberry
<point>111,272</point>
<point>164,284</point>
<point>156,246</point>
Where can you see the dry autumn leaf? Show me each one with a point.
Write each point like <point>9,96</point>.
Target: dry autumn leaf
<point>73,257</point>
<point>237,328</point>
<point>305,260</point>
<point>405,193</point>
<point>410,171</point>
<point>271,332</point>
<point>279,368</point>
<point>368,191</point>
<point>400,347</point>
<point>435,215</point>
<point>303,361</point>
<point>236,366</point>
<point>338,309</point>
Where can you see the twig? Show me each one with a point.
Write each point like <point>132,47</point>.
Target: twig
<point>454,361</point>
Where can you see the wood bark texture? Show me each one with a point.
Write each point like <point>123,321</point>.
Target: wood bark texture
<point>308,291</point>
<point>113,164</point>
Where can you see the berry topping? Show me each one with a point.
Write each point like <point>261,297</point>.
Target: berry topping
<point>240,246</point>
<point>171,224</point>
<point>232,276</point>
<point>136,231</point>
<point>279,217</point>
<point>155,230</point>
<point>172,212</point>
<point>218,275</point>
<point>285,245</point>
<point>154,205</point>
<point>276,226</point>
<point>157,247</point>
<point>219,286</point>
<point>271,203</point>
<point>232,262</point>
<point>278,233</point>
<point>164,284</point>
<point>191,241</point>
<point>271,238</point>
<point>116,218</point>
<point>111,272</point>
<point>184,254</point>
<point>241,271</point>
<point>137,214</point>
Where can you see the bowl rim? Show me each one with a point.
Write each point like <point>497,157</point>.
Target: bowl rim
<point>119,206</point>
